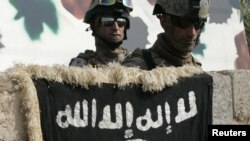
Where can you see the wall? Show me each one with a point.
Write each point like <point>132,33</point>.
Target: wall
<point>231,97</point>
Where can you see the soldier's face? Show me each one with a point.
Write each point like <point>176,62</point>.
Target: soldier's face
<point>186,37</point>
<point>184,33</point>
<point>111,28</point>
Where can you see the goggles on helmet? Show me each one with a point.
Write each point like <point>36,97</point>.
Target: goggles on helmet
<point>126,3</point>
<point>184,22</point>
<point>109,21</point>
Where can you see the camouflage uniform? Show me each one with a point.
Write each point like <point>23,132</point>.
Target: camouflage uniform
<point>245,8</point>
<point>99,58</point>
<point>162,55</point>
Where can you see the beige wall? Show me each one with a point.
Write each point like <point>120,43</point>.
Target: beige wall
<point>11,117</point>
<point>231,97</point>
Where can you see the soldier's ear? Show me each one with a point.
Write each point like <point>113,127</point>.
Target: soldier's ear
<point>163,21</point>
<point>94,24</point>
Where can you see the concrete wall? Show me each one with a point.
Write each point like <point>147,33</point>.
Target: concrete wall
<point>12,126</point>
<point>231,104</point>
<point>11,118</point>
<point>231,97</point>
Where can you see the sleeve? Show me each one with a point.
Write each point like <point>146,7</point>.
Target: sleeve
<point>78,62</point>
<point>82,59</point>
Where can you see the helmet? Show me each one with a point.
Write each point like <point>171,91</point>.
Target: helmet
<point>120,8</point>
<point>183,8</point>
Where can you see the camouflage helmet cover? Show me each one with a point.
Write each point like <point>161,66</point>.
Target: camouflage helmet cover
<point>187,8</point>
<point>116,7</point>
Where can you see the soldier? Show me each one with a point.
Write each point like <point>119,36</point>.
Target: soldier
<point>182,21</point>
<point>109,21</point>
